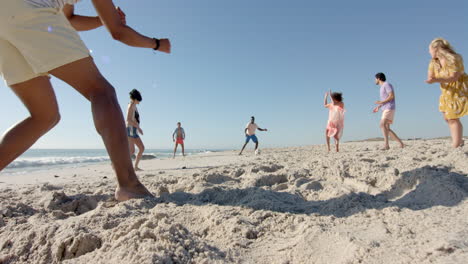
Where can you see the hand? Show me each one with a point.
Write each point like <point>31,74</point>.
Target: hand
<point>376,109</point>
<point>266,129</point>
<point>173,140</point>
<point>140,131</point>
<point>431,80</point>
<point>122,15</point>
<point>164,45</point>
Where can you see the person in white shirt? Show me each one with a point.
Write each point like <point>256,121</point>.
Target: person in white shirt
<point>39,38</point>
<point>250,134</point>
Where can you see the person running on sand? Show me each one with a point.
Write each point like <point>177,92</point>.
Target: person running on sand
<point>446,67</point>
<point>250,134</point>
<point>335,124</point>
<point>387,105</point>
<point>133,127</point>
<point>38,39</point>
<point>178,137</point>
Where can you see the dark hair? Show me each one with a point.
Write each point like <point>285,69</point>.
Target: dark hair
<point>252,117</point>
<point>381,76</point>
<point>337,97</point>
<point>135,95</point>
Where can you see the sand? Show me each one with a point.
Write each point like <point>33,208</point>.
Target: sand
<point>290,205</point>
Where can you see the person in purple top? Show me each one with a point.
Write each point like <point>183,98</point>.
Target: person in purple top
<point>387,105</point>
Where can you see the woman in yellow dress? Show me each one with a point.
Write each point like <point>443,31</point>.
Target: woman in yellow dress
<point>446,68</point>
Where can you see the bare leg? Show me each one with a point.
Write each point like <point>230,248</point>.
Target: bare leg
<point>328,140</point>
<point>394,136</point>
<point>39,98</point>
<point>456,131</point>
<point>141,149</point>
<point>131,145</point>
<point>384,127</point>
<point>84,76</point>
<point>256,145</point>
<point>175,149</point>
<point>183,149</point>
<point>243,148</point>
<point>337,144</point>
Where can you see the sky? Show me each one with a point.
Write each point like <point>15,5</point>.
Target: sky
<point>268,58</point>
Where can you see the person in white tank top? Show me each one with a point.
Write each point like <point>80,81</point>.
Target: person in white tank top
<point>29,52</point>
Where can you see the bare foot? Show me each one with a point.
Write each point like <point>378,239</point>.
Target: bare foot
<point>402,145</point>
<point>386,148</point>
<point>138,169</point>
<point>135,192</point>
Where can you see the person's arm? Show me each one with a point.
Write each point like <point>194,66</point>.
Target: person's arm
<point>183,133</point>
<point>130,116</point>
<point>325,100</point>
<point>123,33</point>
<point>80,23</point>
<point>262,129</point>
<point>175,132</point>
<point>245,131</point>
<point>390,97</point>
<point>452,78</point>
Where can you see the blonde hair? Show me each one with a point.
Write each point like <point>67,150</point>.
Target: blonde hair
<point>443,49</point>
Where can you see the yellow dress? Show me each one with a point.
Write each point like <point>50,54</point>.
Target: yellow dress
<point>454,98</point>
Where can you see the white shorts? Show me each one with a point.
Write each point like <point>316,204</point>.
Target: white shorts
<point>388,115</point>
<point>34,41</point>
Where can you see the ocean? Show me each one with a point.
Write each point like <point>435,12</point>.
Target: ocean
<point>44,159</point>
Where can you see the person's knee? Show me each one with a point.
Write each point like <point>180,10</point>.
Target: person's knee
<point>383,124</point>
<point>48,119</point>
<point>101,88</point>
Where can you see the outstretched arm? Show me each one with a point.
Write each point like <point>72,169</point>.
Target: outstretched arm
<point>262,129</point>
<point>325,99</point>
<point>114,20</point>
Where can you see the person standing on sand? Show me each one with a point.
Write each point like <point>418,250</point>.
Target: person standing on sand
<point>133,127</point>
<point>178,137</point>
<point>38,38</point>
<point>446,67</point>
<point>387,105</point>
<point>335,124</point>
<point>250,134</point>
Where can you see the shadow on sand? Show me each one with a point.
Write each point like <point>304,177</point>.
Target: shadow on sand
<point>418,189</point>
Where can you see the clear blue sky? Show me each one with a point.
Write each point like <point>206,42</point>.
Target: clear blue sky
<point>268,58</point>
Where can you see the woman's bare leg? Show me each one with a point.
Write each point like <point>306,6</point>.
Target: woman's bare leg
<point>328,140</point>
<point>141,149</point>
<point>456,131</point>
<point>337,144</point>
<point>84,76</point>
<point>39,98</point>
<point>131,145</point>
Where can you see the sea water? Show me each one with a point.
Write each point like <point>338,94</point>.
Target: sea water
<point>44,159</point>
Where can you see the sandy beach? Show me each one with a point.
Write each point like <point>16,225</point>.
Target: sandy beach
<point>289,205</point>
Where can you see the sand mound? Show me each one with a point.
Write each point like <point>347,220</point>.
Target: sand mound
<point>295,205</point>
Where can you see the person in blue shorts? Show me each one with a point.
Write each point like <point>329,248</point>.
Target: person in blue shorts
<point>250,134</point>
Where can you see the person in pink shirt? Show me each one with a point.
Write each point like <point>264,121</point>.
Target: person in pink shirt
<point>335,122</point>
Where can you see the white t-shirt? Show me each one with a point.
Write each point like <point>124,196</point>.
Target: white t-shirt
<point>50,3</point>
<point>251,128</point>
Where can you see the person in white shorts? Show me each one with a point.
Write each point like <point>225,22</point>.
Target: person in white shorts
<point>388,106</point>
<point>38,38</point>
